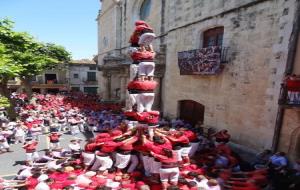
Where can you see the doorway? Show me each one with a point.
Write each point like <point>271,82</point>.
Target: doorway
<point>191,111</point>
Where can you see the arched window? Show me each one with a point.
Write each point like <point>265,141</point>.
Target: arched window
<point>213,37</point>
<point>145,9</point>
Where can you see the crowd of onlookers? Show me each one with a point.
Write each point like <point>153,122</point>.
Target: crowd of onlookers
<point>176,156</point>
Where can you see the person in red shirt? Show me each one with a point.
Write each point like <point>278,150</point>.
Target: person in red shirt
<point>194,141</point>
<point>32,181</point>
<point>54,140</point>
<point>169,171</point>
<point>30,147</point>
<point>179,139</point>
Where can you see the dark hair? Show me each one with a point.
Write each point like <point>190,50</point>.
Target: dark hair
<point>68,188</point>
<point>158,140</point>
<point>111,170</point>
<point>36,174</point>
<point>168,152</point>
<point>192,184</point>
<point>182,180</point>
<point>193,174</point>
<point>173,187</point>
<point>49,180</point>
<point>103,188</point>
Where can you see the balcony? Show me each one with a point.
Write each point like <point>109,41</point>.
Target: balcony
<point>203,61</point>
<point>49,84</point>
<point>90,82</point>
<point>290,93</point>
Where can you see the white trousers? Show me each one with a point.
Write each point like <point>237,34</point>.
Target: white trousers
<point>4,145</point>
<point>74,129</point>
<point>133,71</point>
<point>169,174</point>
<point>102,163</point>
<point>185,151</point>
<point>134,161</point>
<point>54,145</point>
<point>146,69</point>
<point>20,139</point>
<point>132,100</point>
<point>88,158</point>
<point>122,160</point>
<point>146,38</point>
<point>178,155</point>
<point>32,156</point>
<point>147,163</point>
<point>145,101</point>
<point>155,167</point>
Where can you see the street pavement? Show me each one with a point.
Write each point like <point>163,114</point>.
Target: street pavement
<point>9,161</point>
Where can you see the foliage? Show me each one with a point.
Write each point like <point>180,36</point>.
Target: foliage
<point>4,102</point>
<point>24,55</point>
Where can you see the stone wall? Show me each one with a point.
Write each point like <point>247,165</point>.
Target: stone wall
<point>290,134</point>
<point>243,98</point>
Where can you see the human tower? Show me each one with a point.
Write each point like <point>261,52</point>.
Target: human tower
<point>141,88</point>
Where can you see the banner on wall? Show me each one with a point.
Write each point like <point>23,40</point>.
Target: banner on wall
<point>204,61</point>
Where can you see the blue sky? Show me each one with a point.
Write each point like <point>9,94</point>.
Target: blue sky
<point>70,23</point>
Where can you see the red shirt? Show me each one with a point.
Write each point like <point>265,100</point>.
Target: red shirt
<point>224,148</point>
<point>54,137</point>
<point>30,148</point>
<point>190,135</point>
<point>91,147</point>
<point>182,139</point>
<point>164,159</point>
<point>142,85</point>
<point>102,137</point>
<point>31,183</point>
<point>110,146</point>
<point>157,148</point>
<point>128,145</point>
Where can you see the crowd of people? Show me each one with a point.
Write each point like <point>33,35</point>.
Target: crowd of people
<point>119,156</point>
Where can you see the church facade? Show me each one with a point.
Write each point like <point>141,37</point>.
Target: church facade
<point>258,45</point>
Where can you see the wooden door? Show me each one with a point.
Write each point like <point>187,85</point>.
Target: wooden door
<point>191,111</point>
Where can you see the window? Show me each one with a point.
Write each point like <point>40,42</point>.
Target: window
<point>145,9</point>
<point>90,90</point>
<point>75,89</point>
<point>75,76</point>
<point>213,37</point>
<point>105,41</point>
<point>91,76</point>
<point>93,67</point>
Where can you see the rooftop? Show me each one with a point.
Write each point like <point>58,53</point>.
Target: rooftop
<point>83,62</point>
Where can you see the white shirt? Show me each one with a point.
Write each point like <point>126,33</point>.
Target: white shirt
<point>19,132</point>
<point>42,186</point>
<point>75,147</point>
<point>83,180</point>
<point>25,173</point>
<point>53,165</point>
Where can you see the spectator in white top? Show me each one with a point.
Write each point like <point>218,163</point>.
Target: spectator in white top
<point>75,145</point>
<point>19,134</point>
<point>44,184</point>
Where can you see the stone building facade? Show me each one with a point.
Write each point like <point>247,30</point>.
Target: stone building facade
<point>243,98</point>
<point>82,76</point>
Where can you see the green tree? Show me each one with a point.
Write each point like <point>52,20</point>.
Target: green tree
<point>24,57</point>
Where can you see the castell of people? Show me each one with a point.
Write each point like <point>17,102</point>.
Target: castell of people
<point>150,95</point>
